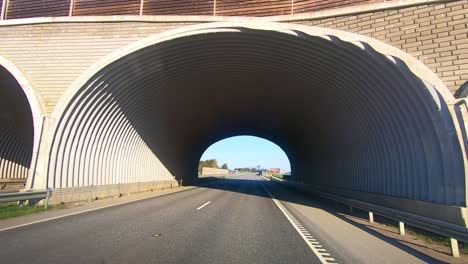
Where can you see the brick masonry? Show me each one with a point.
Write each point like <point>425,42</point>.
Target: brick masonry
<point>53,55</point>
<point>436,34</point>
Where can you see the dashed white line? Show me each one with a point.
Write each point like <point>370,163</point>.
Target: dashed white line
<point>316,248</point>
<point>205,204</point>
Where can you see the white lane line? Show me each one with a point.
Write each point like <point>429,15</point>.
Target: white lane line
<point>316,248</point>
<point>90,210</point>
<point>205,204</point>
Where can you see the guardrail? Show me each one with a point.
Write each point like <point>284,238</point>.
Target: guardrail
<point>454,232</point>
<point>25,196</point>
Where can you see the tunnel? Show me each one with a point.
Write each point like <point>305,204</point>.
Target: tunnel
<point>351,113</point>
<point>16,129</point>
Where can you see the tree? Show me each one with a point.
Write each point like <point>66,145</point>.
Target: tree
<point>225,166</point>
<point>211,163</point>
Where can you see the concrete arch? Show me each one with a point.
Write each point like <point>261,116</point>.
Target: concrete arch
<point>22,117</point>
<point>356,115</point>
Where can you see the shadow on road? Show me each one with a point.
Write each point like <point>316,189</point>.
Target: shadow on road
<point>289,195</point>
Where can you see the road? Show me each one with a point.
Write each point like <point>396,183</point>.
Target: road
<point>229,221</point>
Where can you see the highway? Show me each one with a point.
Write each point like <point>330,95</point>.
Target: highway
<point>228,221</point>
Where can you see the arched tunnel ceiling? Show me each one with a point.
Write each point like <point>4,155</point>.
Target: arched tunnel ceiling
<point>347,116</point>
<point>16,128</point>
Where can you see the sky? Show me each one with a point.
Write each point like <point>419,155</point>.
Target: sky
<point>248,151</point>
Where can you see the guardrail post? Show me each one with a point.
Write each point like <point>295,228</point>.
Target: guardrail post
<point>181,181</point>
<point>402,229</point>
<point>371,217</point>
<point>47,199</point>
<point>454,247</point>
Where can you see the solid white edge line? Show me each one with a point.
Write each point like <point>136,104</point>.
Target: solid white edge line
<point>89,210</point>
<point>286,213</point>
<point>205,204</point>
<point>265,178</point>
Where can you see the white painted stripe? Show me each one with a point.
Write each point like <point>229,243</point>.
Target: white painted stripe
<point>90,210</point>
<point>205,204</point>
<point>291,219</point>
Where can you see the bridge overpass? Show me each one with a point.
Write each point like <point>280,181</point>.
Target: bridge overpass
<point>111,98</point>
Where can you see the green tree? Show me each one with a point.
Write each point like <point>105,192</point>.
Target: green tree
<point>211,163</point>
<point>225,166</point>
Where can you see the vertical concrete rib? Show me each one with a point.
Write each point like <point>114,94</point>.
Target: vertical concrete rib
<point>356,114</point>
<point>16,128</point>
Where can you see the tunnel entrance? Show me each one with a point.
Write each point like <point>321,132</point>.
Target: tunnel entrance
<point>354,114</point>
<point>16,133</point>
<point>243,154</point>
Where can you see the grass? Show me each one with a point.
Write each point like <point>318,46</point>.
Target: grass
<point>277,175</point>
<point>10,210</point>
<point>413,232</point>
<point>432,238</point>
<point>427,237</point>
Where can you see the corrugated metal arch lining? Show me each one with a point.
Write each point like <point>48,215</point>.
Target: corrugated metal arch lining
<point>347,116</point>
<point>16,128</point>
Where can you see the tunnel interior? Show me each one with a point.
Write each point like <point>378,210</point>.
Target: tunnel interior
<point>16,128</point>
<point>347,116</point>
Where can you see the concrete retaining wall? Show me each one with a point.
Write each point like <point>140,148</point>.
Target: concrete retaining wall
<point>214,171</point>
<point>90,193</point>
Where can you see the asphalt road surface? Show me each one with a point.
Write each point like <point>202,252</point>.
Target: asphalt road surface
<point>229,221</point>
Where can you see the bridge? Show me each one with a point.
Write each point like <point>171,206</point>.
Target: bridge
<point>358,94</point>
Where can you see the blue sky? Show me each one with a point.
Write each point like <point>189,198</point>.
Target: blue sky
<point>248,151</point>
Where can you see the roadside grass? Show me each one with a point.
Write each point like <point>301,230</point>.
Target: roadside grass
<point>426,236</point>
<point>278,175</point>
<point>10,210</point>
<point>411,232</point>
<point>431,238</point>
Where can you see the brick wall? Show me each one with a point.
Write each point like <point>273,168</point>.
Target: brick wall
<point>436,34</point>
<point>54,55</point>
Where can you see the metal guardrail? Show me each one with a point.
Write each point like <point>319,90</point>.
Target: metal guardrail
<point>452,231</point>
<point>431,225</point>
<point>24,196</point>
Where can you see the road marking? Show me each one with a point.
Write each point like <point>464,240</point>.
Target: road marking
<point>316,248</point>
<point>265,178</point>
<point>93,209</point>
<point>205,204</point>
